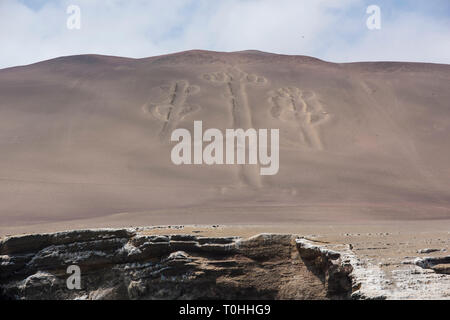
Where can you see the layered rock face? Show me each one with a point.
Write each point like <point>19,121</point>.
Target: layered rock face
<point>129,264</point>
<point>437,264</point>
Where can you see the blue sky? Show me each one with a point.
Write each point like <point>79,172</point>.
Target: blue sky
<point>334,30</point>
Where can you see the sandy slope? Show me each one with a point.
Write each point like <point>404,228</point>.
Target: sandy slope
<point>85,141</point>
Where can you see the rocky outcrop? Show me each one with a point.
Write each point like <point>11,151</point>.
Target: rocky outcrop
<point>130,264</point>
<point>144,264</point>
<point>329,265</point>
<point>437,264</point>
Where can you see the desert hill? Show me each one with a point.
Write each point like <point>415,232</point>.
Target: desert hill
<point>85,140</point>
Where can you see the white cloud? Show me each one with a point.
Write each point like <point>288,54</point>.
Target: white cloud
<point>409,38</point>
<point>328,29</point>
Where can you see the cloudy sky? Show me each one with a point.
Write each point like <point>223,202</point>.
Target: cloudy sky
<point>333,30</point>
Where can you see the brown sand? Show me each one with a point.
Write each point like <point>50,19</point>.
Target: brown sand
<point>85,143</point>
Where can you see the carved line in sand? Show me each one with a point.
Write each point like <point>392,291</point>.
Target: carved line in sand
<point>236,82</point>
<point>292,104</point>
<point>174,109</point>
